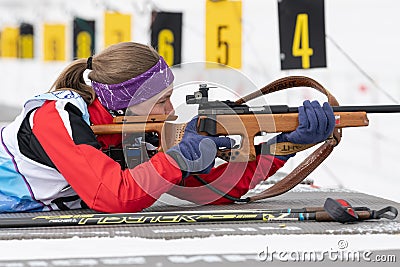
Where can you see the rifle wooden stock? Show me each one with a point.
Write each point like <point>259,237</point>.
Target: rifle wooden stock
<point>133,124</point>
<point>245,125</point>
<point>249,125</point>
<point>170,133</point>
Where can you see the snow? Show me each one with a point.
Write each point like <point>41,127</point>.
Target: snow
<point>383,227</point>
<point>125,247</point>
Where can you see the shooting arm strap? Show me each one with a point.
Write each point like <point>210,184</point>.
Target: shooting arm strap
<point>313,160</point>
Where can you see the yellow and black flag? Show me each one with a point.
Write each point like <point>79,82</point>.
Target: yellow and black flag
<point>54,36</point>
<point>302,34</point>
<point>224,32</point>
<point>84,38</point>
<point>26,41</point>
<point>166,36</point>
<point>117,28</point>
<point>9,42</point>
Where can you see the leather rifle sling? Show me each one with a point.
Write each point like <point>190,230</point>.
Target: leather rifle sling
<point>313,160</point>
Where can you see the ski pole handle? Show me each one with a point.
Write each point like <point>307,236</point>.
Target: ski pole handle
<point>323,216</point>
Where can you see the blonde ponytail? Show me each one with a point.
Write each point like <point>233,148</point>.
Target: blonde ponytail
<point>72,79</point>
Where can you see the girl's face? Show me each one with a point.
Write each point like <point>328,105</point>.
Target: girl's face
<point>159,104</point>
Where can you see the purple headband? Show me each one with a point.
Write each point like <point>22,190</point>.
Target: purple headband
<point>136,90</point>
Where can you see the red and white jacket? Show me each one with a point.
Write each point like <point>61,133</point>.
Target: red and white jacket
<point>50,159</point>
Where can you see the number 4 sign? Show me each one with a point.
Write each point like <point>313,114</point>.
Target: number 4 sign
<point>302,34</point>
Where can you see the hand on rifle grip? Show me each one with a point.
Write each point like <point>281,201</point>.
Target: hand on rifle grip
<point>196,153</point>
<point>316,124</point>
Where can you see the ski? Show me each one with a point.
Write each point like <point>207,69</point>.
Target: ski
<point>336,212</point>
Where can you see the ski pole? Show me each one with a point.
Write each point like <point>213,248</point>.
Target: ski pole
<point>332,211</point>
<point>141,218</point>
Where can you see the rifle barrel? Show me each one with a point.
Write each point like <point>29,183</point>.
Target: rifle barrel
<point>368,109</point>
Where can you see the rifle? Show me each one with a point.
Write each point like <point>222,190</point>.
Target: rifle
<point>224,118</point>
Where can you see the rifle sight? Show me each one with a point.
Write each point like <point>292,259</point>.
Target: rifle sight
<point>199,97</point>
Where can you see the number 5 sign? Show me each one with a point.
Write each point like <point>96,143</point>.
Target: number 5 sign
<point>302,34</point>
<point>224,32</point>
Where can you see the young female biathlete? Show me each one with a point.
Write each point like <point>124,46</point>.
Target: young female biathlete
<point>50,159</point>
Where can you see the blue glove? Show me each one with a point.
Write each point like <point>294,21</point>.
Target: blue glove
<point>196,153</point>
<point>316,124</point>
